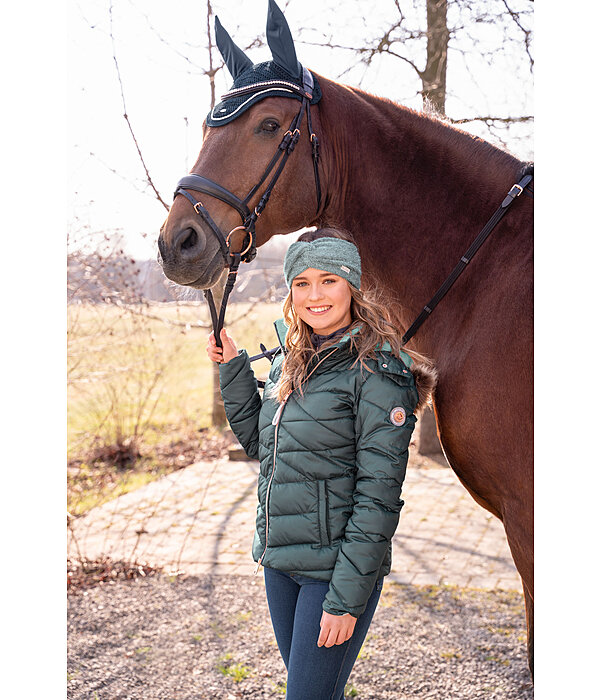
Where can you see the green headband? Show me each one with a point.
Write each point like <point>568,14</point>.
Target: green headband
<point>333,255</point>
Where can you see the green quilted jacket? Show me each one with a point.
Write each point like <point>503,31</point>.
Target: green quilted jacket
<point>332,463</point>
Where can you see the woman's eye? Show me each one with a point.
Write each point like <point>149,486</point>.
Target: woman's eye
<point>270,125</point>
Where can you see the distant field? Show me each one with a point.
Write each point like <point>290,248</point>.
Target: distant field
<point>129,372</point>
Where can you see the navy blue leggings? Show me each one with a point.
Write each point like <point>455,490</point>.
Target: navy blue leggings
<point>296,605</point>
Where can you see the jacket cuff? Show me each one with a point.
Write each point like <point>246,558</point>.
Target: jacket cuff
<point>332,610</point>
<point>228,370</point>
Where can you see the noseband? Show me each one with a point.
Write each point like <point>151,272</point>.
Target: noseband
<point>199,183</point>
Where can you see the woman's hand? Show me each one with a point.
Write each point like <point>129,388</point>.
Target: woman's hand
<point>224,354</point>
<point>335,629</point>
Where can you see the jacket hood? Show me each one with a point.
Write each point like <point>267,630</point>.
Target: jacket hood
<point>425,381</point>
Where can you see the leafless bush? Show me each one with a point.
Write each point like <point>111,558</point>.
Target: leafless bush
<point>120,366</point>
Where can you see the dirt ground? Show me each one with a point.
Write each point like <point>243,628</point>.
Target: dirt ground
<point>209,638</point>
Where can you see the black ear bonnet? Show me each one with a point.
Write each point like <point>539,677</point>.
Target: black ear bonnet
<point>281,77</point>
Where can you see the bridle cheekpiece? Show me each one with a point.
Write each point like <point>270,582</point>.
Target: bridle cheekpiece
<point>199,183</point>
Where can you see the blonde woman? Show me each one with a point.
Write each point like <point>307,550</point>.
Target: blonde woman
<point>331,431</point>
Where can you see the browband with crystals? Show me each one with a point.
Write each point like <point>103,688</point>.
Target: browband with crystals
<point>269,84</point>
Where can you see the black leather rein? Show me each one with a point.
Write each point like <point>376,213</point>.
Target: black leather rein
<point>199,183</point>
<point>524,185</point>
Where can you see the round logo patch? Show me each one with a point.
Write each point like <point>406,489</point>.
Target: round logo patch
<point>398,415</point>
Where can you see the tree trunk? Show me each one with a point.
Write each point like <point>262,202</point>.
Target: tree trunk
<point>428,443</point>
<point>434,94</point>
<point>434,75</point>
<point>219,419</point>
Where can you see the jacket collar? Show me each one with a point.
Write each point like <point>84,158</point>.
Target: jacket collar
<point>281,329</point>
<point>404,356</point>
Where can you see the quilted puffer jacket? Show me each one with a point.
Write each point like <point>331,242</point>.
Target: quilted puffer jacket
<point>332,463</point>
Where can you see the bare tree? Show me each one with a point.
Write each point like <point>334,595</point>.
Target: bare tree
<point>438,37</point>
<point>429,35</point>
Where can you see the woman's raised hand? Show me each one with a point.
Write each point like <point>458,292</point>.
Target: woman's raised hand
<point>221,355</point>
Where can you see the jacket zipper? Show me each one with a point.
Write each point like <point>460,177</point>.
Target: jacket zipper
<point>276,421</point>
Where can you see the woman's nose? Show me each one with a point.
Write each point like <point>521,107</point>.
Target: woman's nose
<point>315,292</point>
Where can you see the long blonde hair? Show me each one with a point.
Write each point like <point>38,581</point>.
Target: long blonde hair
<point>369,315</point>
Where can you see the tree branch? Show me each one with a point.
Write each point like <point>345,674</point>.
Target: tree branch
<point>504,120</point>
<point>126,117</point>
<point>176,51</point>
<point>515,16</point>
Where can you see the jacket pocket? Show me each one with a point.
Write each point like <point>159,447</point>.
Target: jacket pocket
<point>323,513</point>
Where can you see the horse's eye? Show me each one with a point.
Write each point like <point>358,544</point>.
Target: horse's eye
<point>270,126</point>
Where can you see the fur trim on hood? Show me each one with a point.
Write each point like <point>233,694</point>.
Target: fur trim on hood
<point>425,380</point>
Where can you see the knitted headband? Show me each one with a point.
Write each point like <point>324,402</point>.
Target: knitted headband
<point>329,254</point>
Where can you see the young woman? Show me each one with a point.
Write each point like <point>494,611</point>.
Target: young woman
<point>331,432</point>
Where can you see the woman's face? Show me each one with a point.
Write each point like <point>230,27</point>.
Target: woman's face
<point>322,300</point>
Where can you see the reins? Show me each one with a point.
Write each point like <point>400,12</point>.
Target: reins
<point>199,183</point>
<point>515,191</point>
<point>523,185</point>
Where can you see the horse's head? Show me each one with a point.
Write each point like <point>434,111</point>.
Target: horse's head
<point>260,123</point>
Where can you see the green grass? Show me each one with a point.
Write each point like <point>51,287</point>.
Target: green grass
<point>506,631</point>
<point>498,660</point>
<point>236,671</point>
<point>242,617</point>
<point>451,654</point>
<point>364,652</point>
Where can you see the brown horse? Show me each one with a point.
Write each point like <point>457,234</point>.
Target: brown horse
<point>414,191</point>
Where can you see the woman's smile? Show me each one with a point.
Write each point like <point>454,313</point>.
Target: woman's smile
<point>318,309</point>
<point>322,300</point>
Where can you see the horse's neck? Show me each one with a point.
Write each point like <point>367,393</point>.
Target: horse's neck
<point>412,190</point>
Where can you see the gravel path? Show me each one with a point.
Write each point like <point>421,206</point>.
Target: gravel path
<point>209,637</point>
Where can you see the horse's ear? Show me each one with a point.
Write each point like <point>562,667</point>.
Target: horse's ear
<point>235,59</point>
<point>280,41</point>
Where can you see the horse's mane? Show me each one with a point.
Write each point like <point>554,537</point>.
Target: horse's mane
<point>428,120</point>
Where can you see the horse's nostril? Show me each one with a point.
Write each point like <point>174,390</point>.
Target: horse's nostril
<point>186,245</point>
<point>189,240</point>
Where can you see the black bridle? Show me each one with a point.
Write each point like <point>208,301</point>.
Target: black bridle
<point>199,183</point>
